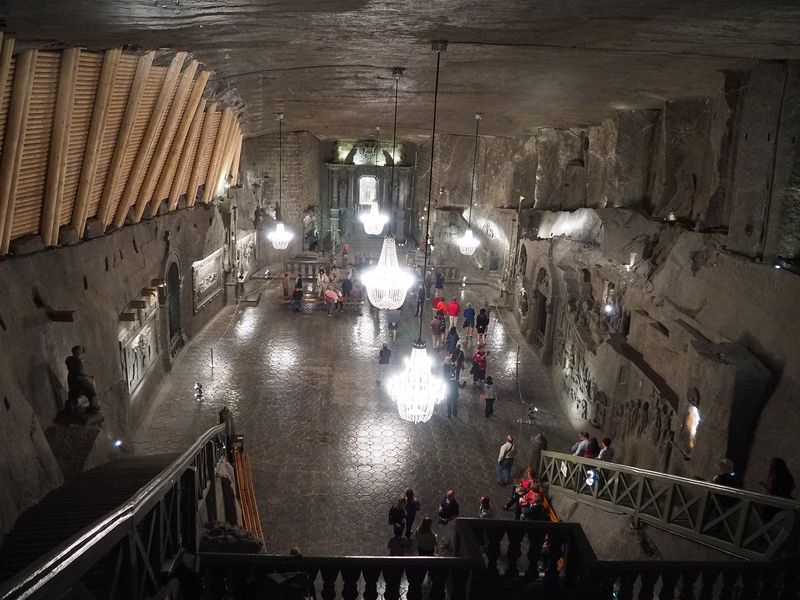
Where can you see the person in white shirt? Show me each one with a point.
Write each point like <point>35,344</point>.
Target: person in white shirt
<point>606,451</point>
<point>504,461</point>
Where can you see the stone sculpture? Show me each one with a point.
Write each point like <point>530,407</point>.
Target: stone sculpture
<point>79,382</point>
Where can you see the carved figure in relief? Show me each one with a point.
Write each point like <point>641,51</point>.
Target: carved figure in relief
<point>643,418</point>
<point>79,382</point>
<point>599,407</point>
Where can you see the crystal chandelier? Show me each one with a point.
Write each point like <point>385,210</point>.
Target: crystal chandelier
<point>281,237</point>
<point>416,389</point>
<point>468,243</point>
<point>387,284</point>
<point>373,220</point>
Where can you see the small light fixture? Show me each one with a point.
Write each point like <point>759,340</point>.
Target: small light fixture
<point>281,237</point>
<point>117,443</point>
<point>468,243</point>
<point>609,309</point>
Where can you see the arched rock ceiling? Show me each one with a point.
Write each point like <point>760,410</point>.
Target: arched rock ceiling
<point>327,63</point>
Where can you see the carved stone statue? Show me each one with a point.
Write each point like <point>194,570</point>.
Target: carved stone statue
<point>79,382</point>
<point>523,302</point>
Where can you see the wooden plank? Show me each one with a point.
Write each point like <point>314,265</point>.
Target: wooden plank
<point>194,180</point>
<point>212,177</point>
<point>175,155</point>
<point>131,108</point>
<point>97,129</point>
<point>144,153</point>
<point>14,141</point>
<point>180,105</point>
<point>236,159</point>
<point>56,164</point>
<point>186,153</point>
<point>6,52</point>
<point>230,150</point>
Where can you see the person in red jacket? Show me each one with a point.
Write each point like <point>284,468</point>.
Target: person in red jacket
<point>454,309</point>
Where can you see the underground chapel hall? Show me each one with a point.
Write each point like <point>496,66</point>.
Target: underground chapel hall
<point>358,299</point>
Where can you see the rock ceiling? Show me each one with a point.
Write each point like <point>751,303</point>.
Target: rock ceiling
<point>327,63</point>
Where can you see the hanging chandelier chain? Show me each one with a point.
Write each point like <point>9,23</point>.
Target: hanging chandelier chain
<point>280,165</point>
<point>438,47</point>
<point>377,150</point>
<point>397,73</point>
<point>474,163</point>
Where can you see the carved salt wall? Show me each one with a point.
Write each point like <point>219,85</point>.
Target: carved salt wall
<point>93,283</point>
<point>689,326</point>
<point>139,339</point>
<point>207,279</point>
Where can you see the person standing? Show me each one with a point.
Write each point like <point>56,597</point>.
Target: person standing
<point>384,356</point>
<point>453,309</point>
<point>505,460</point>
<point>488,397</point>
<point>485,510</point>
<point>412,508</point>
<point>439,284</point>
<point>397,514</point>
<point>606,451</point>
<point>426,538</point>
<point>297,296</point>
<point>428,283</point>
<point>398,545</point>
<point>332,298</point>
<point>592,449</point>
<point>448,509</point>
<point>579,447</point>
<point>780,481</point>
<point>479,363</point>
<point>322,282</point>
<point>469,321</point>
<point>435,332</point>
<point>458,362</point>
<point>481,325</point>
<point>420,299</point>
<point>452,396</point>
<point>347,287</point>
<point>452,340</point>
<point>442,327</point>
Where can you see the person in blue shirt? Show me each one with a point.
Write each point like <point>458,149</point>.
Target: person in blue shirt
<point>469,321</point>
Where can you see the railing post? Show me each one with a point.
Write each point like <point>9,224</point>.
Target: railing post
<point>188,507</point>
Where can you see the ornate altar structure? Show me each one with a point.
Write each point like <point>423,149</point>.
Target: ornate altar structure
<point>138,339</point>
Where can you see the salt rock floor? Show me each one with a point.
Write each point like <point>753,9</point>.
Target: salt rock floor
<point>329,452</point>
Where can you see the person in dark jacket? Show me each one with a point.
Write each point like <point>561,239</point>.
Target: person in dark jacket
<point>412,508</point>
<point>297,296</point>
<point>397,513</point>
<point>347,287</point>
<point>779,480</point>
<point>439,284</point>
<point>384,356</point>
<point>448,509</point>
<point>481,325</point>
<point>452,396</point>
<point>421,297</point>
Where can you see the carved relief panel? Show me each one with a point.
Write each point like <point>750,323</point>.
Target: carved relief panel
<point>206,279</point>
<point>138,340</point>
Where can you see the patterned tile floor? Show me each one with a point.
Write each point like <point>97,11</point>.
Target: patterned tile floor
<point>328,450</point>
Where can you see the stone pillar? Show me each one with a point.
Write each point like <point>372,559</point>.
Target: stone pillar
<point>163,327</point>
<point>334,230</point>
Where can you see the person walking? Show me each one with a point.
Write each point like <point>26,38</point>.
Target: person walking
<point>452,396</point>
<point>426,539</point>
<point>397,514</point>
<point>412,508</point>
<point>469,322</point>
<point>421,297</point>
<point>481,325</point>
<point>398,545</point>
<point>488,397</point>
<point>439,284</point>
<point>442,328</point>
<point>428,282</point>
<point>505,460</point>
<point>435,335</point>
<point>384,356</point>
<point>479,363</point>
<point>453,310</point>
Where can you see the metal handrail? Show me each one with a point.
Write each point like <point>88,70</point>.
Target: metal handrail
<point>102,535</point>
<point>776,501</point>
<point>713,515</point>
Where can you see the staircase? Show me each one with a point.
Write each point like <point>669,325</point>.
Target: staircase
<point>64,512</point>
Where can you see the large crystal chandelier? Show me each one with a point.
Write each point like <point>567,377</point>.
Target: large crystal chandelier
<point>387,284</point>
<point>281,237</point>
<point>468,243</point>
<point>416,389</point>
<point>373,220</point>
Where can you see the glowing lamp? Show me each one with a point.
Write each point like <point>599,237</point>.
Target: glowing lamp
<point>468,243</point>
<point>373,220</point>
<point>416,389</point>
<point>281,237</point>
<point>387,284</point>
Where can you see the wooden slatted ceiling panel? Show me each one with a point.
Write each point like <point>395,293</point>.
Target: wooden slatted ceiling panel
<point>155,82</point>
<point>192,153</point>
<point>5,98</point>
<point>169,141</point>
<point>209,145</point>
<point>89,66</point>
<point>33,170</point>
<point>116,111</point>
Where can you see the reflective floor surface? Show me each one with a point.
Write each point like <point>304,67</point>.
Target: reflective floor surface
<point>328,450</point>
